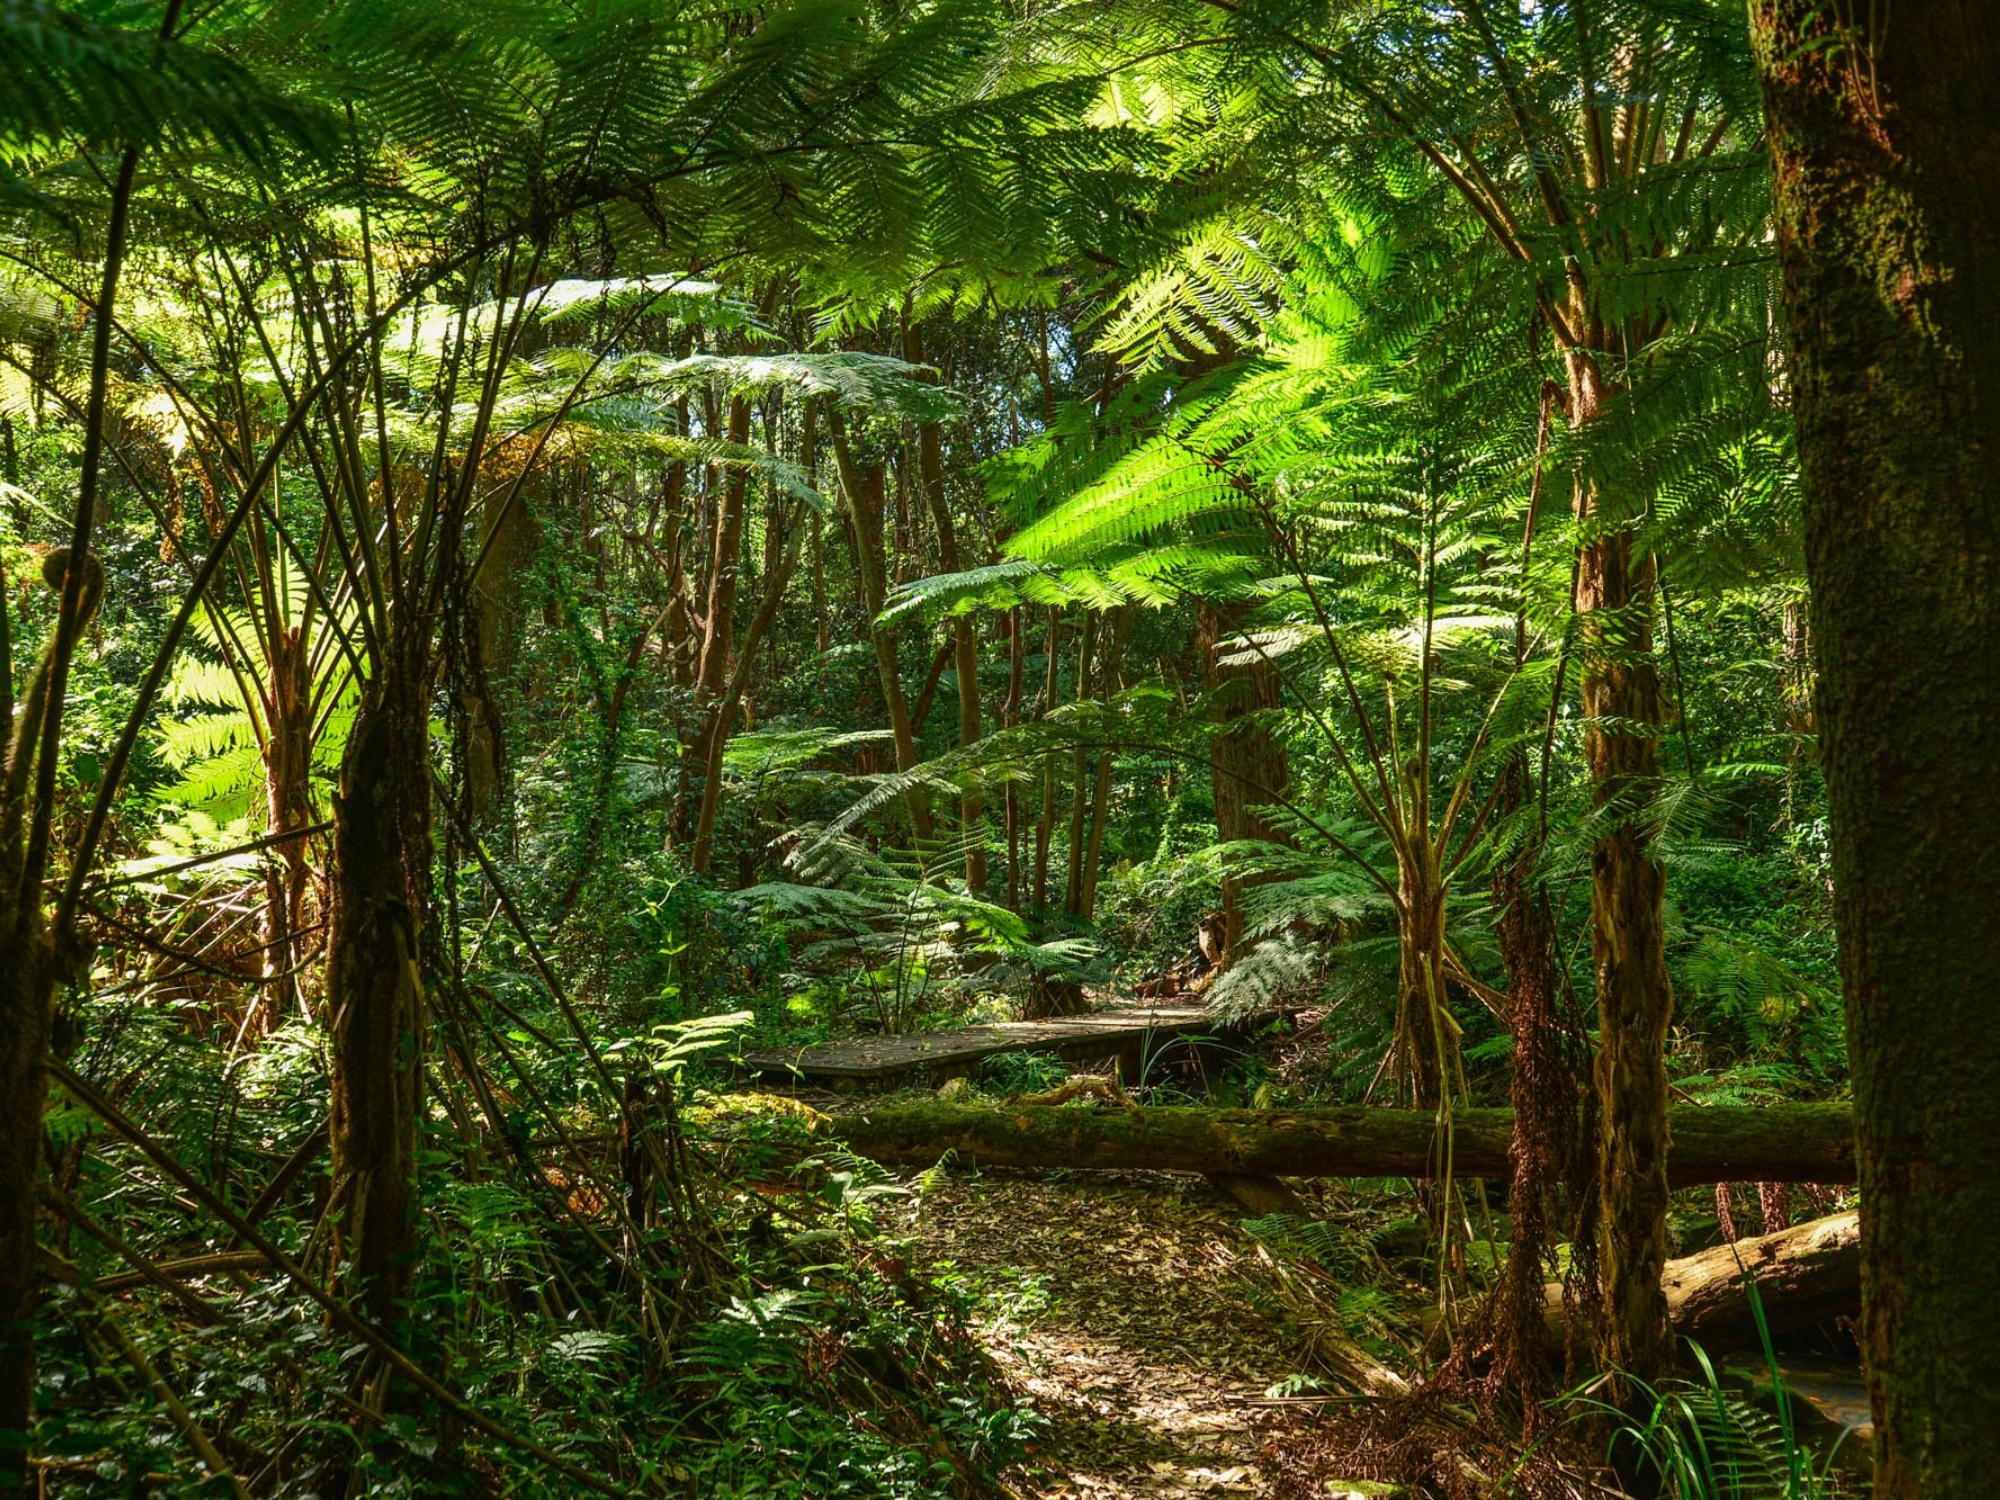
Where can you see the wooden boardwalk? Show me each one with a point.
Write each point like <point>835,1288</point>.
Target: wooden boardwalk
<point>934,1056</point>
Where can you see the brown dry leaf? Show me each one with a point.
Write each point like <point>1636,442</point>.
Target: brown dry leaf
<point>1145,1362</point>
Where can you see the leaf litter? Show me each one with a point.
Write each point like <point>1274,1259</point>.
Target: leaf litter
<point>1134,1317</point>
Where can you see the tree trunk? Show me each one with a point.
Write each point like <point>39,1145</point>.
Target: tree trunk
<point>965,642</point>
<point>1079,770</point>
<point>1794,1143</point>
<point>1426,1036</point>
<point>27,995</point>
<point>775,584</point>
<point>497,618</point>
<point>1543,1088</point>
<point>288,808</point>
<point>1249,767</point>
<point>724,569</point>
<point>1886,139</point>
<point>28,973</point>
<point>722,715</point>
<point>374,997</point>
<point>1548,1154</point>
<point>1620,687</point>
<point>865,501</point>
<point>1110,680</point>
<point>1010,716</point>
<point>1045,821</point>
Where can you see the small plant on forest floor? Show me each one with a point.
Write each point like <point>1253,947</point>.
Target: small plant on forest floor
<point>995,1294</point>
<point>1706,1442</point>
<point>1012,1073</point>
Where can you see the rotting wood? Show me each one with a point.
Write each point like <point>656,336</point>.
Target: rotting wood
<point>1792,1143</point>
<point>1810,1273</point>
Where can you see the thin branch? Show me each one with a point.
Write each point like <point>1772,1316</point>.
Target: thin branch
<point>88,1095</point>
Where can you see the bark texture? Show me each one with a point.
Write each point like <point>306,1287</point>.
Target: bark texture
<point>1622,706</point>
<point>1544,1155</point>
<point>288,710</point>
<point>26,992</point>
<point>382,855</point>
<point>1796,1143</point>
<point>1805,1275</point>
<point>1886,141</point>
<point>29,970</point>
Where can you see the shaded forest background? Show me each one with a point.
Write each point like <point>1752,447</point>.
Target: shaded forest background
<point>546,548</point>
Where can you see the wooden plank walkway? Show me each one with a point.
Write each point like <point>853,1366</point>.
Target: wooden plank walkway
<point>939,1055</point>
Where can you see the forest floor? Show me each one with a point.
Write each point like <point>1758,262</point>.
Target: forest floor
<point>1133,1315</point>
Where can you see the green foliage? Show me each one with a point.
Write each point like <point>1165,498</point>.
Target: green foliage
<point>1011,1073</point>
<point>513,334</point>
<point>1705,1441</point>
<point>822,1363</point>
<point>67,74</point>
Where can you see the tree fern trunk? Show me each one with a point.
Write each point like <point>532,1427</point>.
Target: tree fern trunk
<point>1543,1090</point>
<point>380,893</point>
<point>1622,706</point>
<point>26,1007</point>
<point>1426,1039</point>
<point>1886,140</point>
<point>288,808</point>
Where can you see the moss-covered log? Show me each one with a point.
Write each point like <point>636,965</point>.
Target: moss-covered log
<point>1793,1143</point>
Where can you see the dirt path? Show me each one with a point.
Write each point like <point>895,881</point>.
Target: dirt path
<point>1132,1312</point>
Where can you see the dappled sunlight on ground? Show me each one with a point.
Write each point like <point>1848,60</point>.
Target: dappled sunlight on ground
<point>1133,1315</point>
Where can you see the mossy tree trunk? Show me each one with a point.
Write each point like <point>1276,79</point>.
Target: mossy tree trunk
<point>1797,1143</point>
<point>382,825</point>
<point>1886,139</point>
<point>1426,1034</point>
<point>1622,707</point>
<point>27,989</point>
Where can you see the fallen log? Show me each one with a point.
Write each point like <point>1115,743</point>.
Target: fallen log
<point>1784,1143</point>
<point>1807,1274</point>
<point>1810,1273</point>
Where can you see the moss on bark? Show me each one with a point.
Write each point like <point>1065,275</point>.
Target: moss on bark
<point>1884,127</point>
